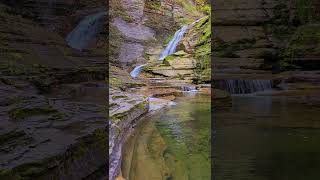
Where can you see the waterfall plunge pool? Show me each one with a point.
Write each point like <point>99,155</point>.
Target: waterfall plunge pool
<point>174,143</point>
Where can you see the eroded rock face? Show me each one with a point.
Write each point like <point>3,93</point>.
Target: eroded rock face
<point>52,128</point>
<point>134,31</point>
<point>124,110</point>
<point>48,137</point>
<point>130,52</point>
<point>181,63</point>
<point>238,22</point>
<point>175,65</point>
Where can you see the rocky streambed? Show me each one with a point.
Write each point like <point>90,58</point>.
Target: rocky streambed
<point>129,108</point>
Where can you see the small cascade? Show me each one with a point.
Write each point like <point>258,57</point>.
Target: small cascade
<point>136,71</point>
<point>189,88</point>
<point>87,30</point>
<point>171,48</point>
<point>243,86</point>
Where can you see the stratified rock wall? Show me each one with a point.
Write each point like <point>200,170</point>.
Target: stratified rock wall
<point>239,32</point>
<point>277,33</point>
<point>54,125</point>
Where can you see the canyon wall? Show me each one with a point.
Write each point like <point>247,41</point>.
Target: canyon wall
<point>52,108</point>
<point>265,34</point>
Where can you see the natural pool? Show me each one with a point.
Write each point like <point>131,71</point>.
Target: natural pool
<point>174,143</point>
<point>267,138</point>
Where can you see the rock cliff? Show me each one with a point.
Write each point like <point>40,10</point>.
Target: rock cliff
<point>258,39</point>
<point>52,111</point>
<point>138,31</point>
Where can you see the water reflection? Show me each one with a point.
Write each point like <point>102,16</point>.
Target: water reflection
<point>173,144</point>
<point>267,138</point>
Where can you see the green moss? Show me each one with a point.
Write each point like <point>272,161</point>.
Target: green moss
<point>117,10</point>
<point>146,55</point>
<point>122,116</point>
<point>118,117</point>
<point>116,82</point>
<point>185,20</point>
<point>203,50</point>
<point>119,97</point>
<point>28,112</point>
<point>153,4</point>
<point>305,40</point>
<point>206,75</point>
<point>206,9</point>
<point>97,140</point>
<point>9,175</point>
<point>308,11</point>
<point>167,40</point>
<point>181,76</point>
<point>142,105</point>
<point>10,136</point>
<point>13,66</point>
<point>189,6</point>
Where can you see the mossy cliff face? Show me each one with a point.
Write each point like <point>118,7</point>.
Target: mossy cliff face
<point>193,57</point>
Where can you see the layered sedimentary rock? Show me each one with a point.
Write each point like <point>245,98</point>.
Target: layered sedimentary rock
<point>54,118</point>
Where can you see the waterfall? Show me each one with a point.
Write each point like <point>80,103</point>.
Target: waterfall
<point>88,28</point>
<point>136,71</point>
<point>243,86</point>
<point>171,48</point>
<point>189,88</point>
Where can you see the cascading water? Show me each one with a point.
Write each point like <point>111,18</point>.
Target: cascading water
<point>243,86</point>
<point>171,48</point>
<point>136,71</point>
<point>80,37</point>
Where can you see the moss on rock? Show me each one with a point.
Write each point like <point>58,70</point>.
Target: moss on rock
<point>28,112</point>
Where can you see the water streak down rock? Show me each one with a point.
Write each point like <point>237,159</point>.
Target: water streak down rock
<point>80,37</point>
<point>171,48</point>
<point>136,71</point>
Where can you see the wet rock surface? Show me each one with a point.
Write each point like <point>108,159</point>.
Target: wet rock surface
<point>124,111</point>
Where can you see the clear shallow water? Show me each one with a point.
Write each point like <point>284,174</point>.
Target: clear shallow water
<point>267,138</point>
<point>172,144</point>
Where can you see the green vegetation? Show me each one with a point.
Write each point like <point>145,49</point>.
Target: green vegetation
<point>308,11</point>
<point>28,112</point>
<point>299,30</point>
<point>203,47</point>
<point>305,40</point>
<point>153,4</point>
<point>116,10</point>
<point>10,136</point>
<point>12,65</point>
<point>116,118</point>
<point>189,6</point>
<point>119,97</point>
<point>115,40</point>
